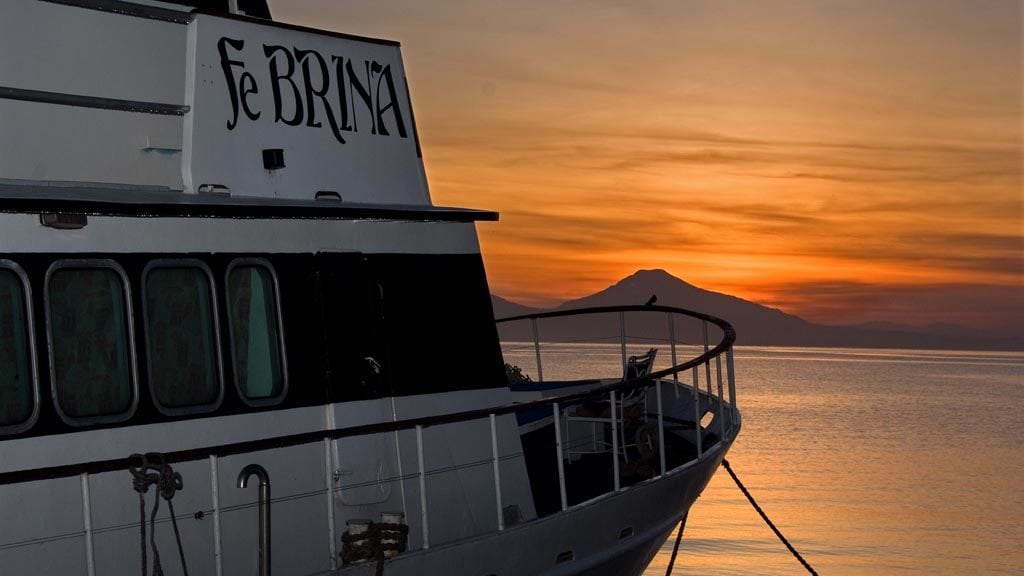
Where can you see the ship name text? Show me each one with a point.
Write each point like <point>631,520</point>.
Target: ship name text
<point>308,88</point>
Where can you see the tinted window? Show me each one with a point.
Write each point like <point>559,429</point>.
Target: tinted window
<point>439,325</point>
<point>88,319</point>
<point>180,336</point>
<point>255,335</point>
<point>16,382</point>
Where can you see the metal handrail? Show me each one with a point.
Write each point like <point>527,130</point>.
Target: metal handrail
<point>728,339</point>
<point>655,379</point>
<point>222,450</point>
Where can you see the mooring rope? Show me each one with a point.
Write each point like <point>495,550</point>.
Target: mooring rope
<point>675,549</point>
<point>764,516</point>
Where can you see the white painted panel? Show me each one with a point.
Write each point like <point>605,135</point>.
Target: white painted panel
<point>35,518</point>
<point>461,502</point>
<point>49,142</point>
<point>253,87</point>
<point>71,50</point>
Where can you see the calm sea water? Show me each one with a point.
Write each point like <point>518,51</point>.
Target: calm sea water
<point>869,461</point>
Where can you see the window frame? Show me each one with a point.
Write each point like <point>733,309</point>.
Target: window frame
<point>164,263</point>
<point>279,317</point>
<point>93,264</point>
<point>30,334</point>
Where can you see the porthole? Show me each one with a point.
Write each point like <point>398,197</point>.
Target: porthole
<point>19,377</point>
<point>91,342</point>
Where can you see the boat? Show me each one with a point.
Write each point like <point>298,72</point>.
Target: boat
<point>237,336</point>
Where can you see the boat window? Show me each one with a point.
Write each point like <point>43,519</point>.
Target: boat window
<point>18,397</point>
<point>256,343</point>
<point>91,357</point>
<point>184,374</point>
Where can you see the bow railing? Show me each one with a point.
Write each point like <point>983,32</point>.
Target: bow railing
<point>565,330</point>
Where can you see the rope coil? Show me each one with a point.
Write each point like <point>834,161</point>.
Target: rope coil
<point>375,543</point>
<point>155,471</point>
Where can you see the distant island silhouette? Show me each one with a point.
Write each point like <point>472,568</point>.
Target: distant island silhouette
<point>755,324</point>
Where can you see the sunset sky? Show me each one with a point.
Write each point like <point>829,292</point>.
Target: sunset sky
<point>845,161</point>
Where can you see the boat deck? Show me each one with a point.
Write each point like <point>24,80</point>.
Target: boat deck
<point>589,475</point>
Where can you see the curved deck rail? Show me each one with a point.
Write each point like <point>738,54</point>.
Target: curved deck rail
<point>723,346</point>
<point>725,411</point>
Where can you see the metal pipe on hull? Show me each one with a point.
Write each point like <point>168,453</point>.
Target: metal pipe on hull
<point>264,480</point>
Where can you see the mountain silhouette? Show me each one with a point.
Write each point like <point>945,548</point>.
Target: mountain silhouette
<point>755,324</point>
<point>506,308</point>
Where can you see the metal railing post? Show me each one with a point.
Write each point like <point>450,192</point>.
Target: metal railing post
<point>707,365</point>
<point>731,371</point>
<point>615,441</point>
<point>329,482</point>
<point>558,454</point>
<point>672,345</point>
<point>696,412</point>
<point>721,398</point>
<point>423,486</point>
<point>661,428</point>
<point>218,554</point>
<point>90,562</point>
<point>497,472</point>
<point>622,340</point>
<point>536,350</point>
<point>398,459</point>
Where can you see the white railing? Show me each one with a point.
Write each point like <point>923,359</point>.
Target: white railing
<point>723,407</point>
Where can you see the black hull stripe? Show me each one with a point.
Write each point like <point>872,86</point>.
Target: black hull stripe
<point>129,9</point>
<point>306,211</point>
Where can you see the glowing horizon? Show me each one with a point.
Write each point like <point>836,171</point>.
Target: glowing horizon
<point>843,161</point>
